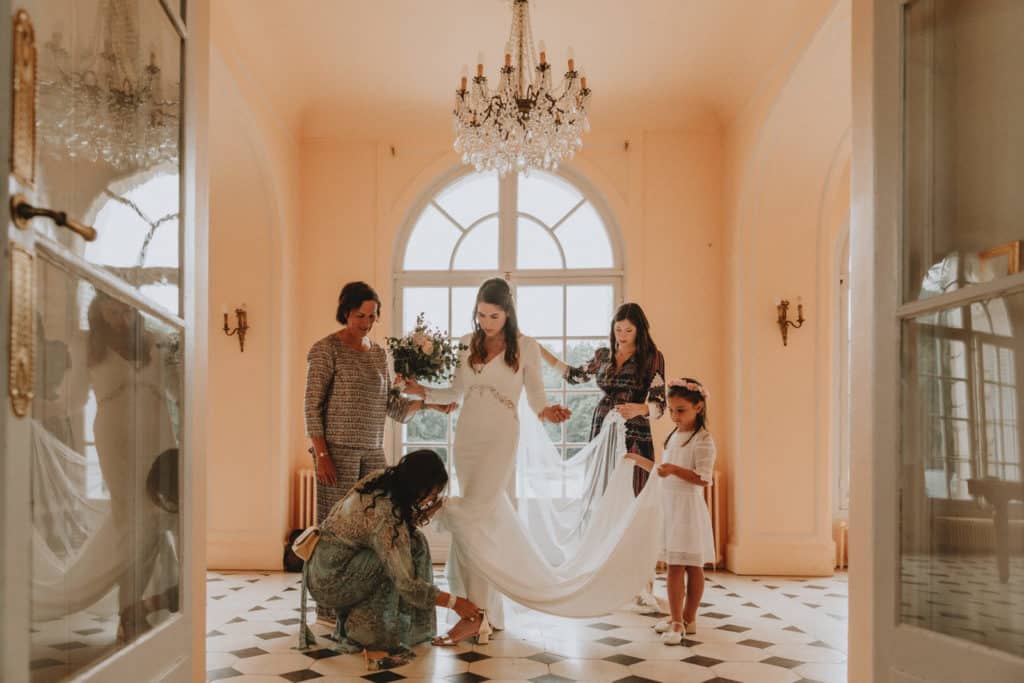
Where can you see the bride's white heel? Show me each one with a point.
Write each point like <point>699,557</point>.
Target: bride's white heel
<point>483,636</point>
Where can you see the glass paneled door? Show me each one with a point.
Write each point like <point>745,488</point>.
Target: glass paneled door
<point>945,367</point>
<point>94,503</point>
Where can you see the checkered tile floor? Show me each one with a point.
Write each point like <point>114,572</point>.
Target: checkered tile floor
<point>962,596</point>
<point>749,630</point>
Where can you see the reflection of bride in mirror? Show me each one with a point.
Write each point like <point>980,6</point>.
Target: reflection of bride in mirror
<point>132,426</point>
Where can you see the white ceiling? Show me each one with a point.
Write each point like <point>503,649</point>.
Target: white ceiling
<point>367,68</point>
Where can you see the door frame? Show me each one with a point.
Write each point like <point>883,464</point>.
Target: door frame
<point>882,648</point>
<point>177,652</point>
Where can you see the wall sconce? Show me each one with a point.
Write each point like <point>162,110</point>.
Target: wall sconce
<point>784,322</point>
<point>240,328</point>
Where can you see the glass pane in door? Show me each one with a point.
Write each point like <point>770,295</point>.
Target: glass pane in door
<point>962,135</point>
<point>106,564</point>
<point>962,494</point>
<point>108,131</point>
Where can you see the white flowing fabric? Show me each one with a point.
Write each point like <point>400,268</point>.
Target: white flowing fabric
<point>568,554</point>
<point>78,552</point>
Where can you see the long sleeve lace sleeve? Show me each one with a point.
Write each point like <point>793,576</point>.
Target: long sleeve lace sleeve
<point>532,377</point>
<point>656,390</point>
<point>319,372</point>
<point>580,374</point>
<point>704,457</point>
<point>452,393</point>
<point>395,552</point>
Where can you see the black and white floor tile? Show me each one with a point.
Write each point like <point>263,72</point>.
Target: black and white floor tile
<point>749,630</point>
<point>962,596</point>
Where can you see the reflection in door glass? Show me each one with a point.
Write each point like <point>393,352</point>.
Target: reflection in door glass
<point>108,130</point>
<point>962,545</point>
<point>105,461</point>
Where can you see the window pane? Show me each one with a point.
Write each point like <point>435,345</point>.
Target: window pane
<point>463,299</point>
<point>577,427</point>
<point>546,197</point>
<point>585,240</point>
<point>535,248</point>
<point>431,242</point>
<point>479,251</point>
<point>958,466</point>
<point>589,310</point>
<point>433,301</point>
<point>540,311</point>
<point>958,199</point>
<point>470,198</point>
<point>552,378</point>
<point>427,426</point>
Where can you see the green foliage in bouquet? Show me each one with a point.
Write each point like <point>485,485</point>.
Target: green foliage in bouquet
<point>425,354</point>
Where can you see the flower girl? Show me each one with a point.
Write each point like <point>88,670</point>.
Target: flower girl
<point>686,468</point>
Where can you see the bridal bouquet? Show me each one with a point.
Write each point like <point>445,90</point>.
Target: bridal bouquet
<point>425,354</point>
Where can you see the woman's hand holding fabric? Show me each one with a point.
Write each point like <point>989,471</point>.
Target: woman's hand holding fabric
<point>630,410</point>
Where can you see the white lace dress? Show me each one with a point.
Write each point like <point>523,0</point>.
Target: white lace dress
<point>689,539</point>
<point>486,438</point>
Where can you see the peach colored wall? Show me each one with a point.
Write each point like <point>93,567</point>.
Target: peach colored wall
<point>786,204</point>
<point>665,194</point>
<point>254,192</point>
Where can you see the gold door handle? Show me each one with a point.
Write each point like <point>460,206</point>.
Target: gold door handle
<point>22,211</point>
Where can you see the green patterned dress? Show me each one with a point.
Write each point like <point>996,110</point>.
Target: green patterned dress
<point>375,574</point>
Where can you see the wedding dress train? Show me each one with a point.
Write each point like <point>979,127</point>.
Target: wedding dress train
<point>546,538</point>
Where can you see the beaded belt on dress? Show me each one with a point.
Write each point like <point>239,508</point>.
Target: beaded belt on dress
<point>502,398</point>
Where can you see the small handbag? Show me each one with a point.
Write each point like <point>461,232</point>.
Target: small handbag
<point>306,542</point>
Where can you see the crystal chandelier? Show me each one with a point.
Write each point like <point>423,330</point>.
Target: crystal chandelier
<point>107,106</point>
<point>521,124</point>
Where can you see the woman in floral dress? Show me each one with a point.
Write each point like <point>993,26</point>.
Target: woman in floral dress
<point>372,564</point>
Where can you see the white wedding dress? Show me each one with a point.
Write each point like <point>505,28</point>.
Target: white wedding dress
<point>545,550</point>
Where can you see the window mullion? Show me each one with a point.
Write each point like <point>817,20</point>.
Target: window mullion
<point>508,198</point>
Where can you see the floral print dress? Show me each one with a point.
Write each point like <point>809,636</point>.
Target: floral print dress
<point>627,384</point>
<point>374,574</point>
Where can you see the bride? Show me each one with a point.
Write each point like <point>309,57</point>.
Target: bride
<point>497,365</point>
<point>492,552</point>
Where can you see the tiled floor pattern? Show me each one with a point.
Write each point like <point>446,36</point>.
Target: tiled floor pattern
<point>962,596</point>
<point>750,631</point>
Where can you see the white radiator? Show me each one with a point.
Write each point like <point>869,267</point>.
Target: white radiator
<point>305,499</point>
<point>713,498</point>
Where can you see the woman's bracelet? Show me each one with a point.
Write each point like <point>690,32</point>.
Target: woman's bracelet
<point>452,600</point>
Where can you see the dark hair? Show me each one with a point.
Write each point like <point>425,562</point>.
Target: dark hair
<point>693,397</point>
<point>407,484</point>
<point>102,335</point>
<point>162,480</point>
<point>646,349</point>
<point>497,293</point>
<point>353,295</point>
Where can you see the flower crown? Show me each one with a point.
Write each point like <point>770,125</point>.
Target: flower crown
<point>695,387</point>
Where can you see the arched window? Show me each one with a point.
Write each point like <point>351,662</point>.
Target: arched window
<point>549,237</point>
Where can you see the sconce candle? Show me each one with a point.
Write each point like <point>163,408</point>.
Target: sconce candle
<point>784,322</point>
<point>241,327</point>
